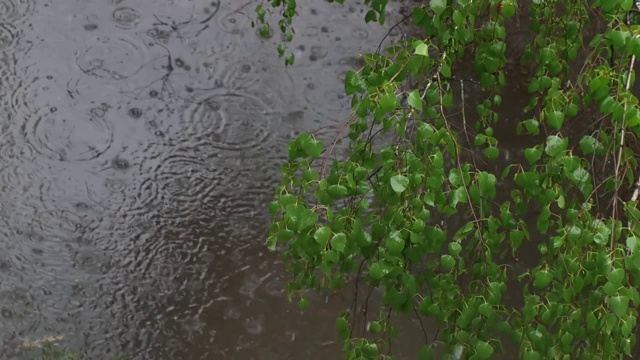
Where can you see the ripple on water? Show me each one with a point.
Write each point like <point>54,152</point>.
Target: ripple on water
<point>185,176</point>
<point>235,22</point>
<point>126,17</point>
<point>322,95</point>
<point>16,179</point>
<point>231,121</point>
<point>8,36</point>
<point>271,83</point>
<point>15,11</point>
<point>70,133</point>
<point>243,201</point>
<point>116,58</point>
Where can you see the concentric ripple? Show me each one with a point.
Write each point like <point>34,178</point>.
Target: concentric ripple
<point>185,177</point>
<point>68,133</point>
<point>126,17</point>
<point>243,202</point>
<point>117,58</point>
<point>8,36</point>
<point>232,121</point>
<point>15,11</point>
<point>235,22</point>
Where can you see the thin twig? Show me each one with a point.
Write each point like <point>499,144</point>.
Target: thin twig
<point>619,159</point>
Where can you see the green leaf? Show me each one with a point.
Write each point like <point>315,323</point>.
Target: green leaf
<point>532,155</point>
<point>376,272</point>
<point>532,355</point>
<point>555,119</point>
<point>337,191</point>
<point>483,350</point>
<point>307,219</point>
<point>343,328</point>
<point>508,8</point>
<point>388,102</point>
<point>395,243</point>
<point>542,278</point>
<point>399,183</point>
<point>303,304</point>
<point>555,146</point>
<point>619,304</point>
<point>543,219</point>
<point>414,100</point>
<point>375,327</point>
<point>322,235</point>
<point>616,276</point>
<point>422,49</point>
<point>487,183</point>
<point>447,262</point>
<point>427,353</point>
<point>588,144</point>
<point>339,242</point>
<point>313,149</point>
<point>485,309</point>
<point>491,152</point>
<point>370,16</point>
<point>437,6</point>
<point>353,83</point>
<point>454,248</point>
<point>607,105</point>
<point>516,237</point>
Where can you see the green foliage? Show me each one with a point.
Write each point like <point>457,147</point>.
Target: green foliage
<point>427,216</point>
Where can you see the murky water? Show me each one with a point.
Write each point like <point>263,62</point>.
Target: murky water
<point>139,146</point>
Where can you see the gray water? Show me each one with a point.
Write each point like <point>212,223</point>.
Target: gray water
<point>140,142</point>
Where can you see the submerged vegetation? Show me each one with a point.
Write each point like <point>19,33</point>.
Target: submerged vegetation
<point>428,212</point>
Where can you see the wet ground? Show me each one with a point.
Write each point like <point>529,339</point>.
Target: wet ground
<point>139,146</point>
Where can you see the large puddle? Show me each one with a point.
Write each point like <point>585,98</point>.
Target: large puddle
<point>139,146</point>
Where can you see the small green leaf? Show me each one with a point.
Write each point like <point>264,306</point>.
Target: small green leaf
<point>555,119</point>
<point>588,144</point>
<point>422,49</point>
<point>303,304</point>
<point>532,155</point>
<point>619,305</point>
<point>616,276</point>
<point>337,191</point>
<point>516,237</point>
<point>371,16</point>
<point>447,262</point>
<point>307,219</point>
<point>388,102</point>
<point>343,328</point>
<point>438,6</point>
<point>508,8</point>
<point>375,327</point>
<point>395,243</point>
<point>376,272</point>
<point>399,183</point>
<point>542,278</point>
<point>607,105</point>
<point>483,350</point>
<point>427,353</point>
<point>555,146</point>
<point>352,82</point>
<point>322,235</point>
<point>491,152</point>
<point>339,242</point>
<point>532,355</point>
<point>414,100</point>
<point>454,248</point>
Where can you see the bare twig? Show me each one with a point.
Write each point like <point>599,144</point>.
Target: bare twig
<point>619,159</point>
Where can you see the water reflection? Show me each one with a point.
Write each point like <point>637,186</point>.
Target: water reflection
<point>139,147</point>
